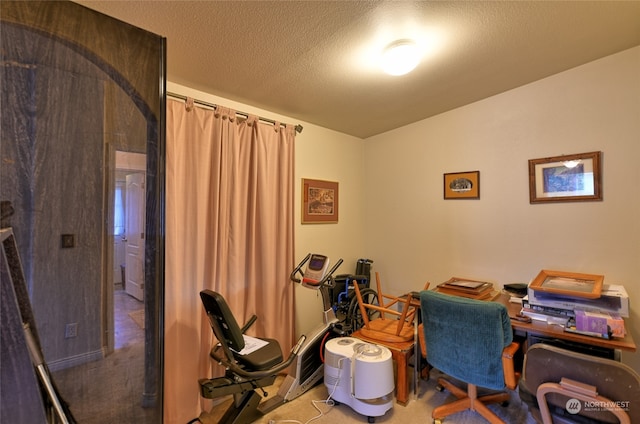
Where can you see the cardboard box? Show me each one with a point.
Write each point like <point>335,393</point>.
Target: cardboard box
<point>600,323</point>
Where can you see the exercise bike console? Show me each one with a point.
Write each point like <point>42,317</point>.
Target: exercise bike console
<point>316,269</point>
<point>317,273</point>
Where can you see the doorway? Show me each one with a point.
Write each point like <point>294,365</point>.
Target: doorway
<point>128,249</point>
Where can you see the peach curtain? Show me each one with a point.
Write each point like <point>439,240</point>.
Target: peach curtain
<point>229,228</point>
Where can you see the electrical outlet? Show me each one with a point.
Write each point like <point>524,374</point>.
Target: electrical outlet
<point>71,330</point>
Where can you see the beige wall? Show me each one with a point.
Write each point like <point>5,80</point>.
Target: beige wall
<point>391,206</point>
<point>328,155</point>
<point>414,235</point>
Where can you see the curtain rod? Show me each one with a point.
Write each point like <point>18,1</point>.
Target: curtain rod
<point>214,106</point>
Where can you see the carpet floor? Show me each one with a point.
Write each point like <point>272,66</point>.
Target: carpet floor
<point>312,406</point>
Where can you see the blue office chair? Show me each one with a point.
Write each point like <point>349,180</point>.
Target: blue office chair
<point>471,341</point>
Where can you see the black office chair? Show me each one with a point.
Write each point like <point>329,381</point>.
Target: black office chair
<point>562,386</point>
<point>246,369</point>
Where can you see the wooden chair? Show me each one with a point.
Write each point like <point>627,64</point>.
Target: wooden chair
<point>393,329</point>
<point>472,341</point>
<point>392,325</point>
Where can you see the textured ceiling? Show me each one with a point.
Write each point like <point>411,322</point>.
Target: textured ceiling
<point>311,60</point>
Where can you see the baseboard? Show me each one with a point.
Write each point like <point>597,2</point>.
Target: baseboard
<point>76,360</point>
<point>149,400</point>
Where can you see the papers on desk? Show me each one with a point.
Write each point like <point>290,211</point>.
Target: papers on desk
<point>514,299</point>
<point>251,344</point>
<point>543,313</point>
<point>549,319</point>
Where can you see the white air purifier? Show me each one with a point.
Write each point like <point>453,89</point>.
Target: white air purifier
<point>359,374</point>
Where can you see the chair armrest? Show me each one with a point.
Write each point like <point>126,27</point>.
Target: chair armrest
<point>423,343</point>
<point>508,368</point>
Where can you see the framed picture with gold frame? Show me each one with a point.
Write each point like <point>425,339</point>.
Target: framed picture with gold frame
<point>567,178</point>
<point>319,201</point>
<point>571,284</point>
<point>462,185</point>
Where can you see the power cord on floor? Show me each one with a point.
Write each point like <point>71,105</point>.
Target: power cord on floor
<point>315,403</point>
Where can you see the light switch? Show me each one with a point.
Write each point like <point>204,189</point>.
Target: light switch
<point>68,241</point>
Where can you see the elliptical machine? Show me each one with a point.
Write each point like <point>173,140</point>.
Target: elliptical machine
<point>308,368</point>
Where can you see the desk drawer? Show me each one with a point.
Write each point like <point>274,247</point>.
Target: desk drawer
<point>601,352</point>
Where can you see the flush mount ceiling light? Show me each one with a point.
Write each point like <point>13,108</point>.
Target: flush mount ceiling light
<point>400,57</point>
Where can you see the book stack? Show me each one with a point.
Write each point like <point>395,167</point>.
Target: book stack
<point>600,317</point>
<point>471,289</point>
<point>613,299</point>
<point>543,312</point>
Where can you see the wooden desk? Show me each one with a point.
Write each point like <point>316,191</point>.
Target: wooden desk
<point>555,331</point>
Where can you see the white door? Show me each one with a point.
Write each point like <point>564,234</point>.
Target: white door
<point>135,206</point>
<point>119,236</point>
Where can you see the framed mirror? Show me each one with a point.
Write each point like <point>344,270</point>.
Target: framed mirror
<point>83,167</point>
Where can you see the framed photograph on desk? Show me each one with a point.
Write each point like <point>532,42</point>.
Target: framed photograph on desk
<point>568,284</point>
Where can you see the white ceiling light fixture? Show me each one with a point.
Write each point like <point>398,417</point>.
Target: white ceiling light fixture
<point>571,163</point>
<point>400,57</point>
